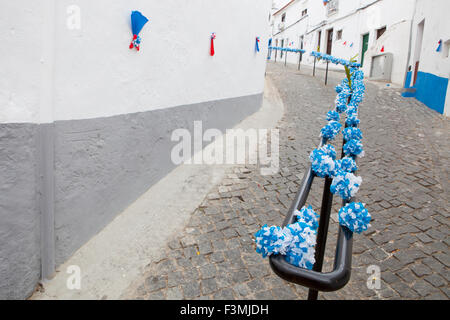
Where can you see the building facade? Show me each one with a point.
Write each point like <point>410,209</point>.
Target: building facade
<point>388,37</point>
<point>370,30</point>
<point>86,123</point>
<point>429,64</point>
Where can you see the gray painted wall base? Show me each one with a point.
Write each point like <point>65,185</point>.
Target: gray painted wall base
<point>19,210</point>
<point>101,166</point>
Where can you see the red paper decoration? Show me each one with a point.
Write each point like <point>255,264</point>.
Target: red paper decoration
<point>213,37</point>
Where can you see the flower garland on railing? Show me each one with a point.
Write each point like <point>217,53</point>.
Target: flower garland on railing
<point>355,217</point>
<point>296,242</point>
<point>331,130</point>
<point>352,133</point>
<point>354,148</point>
<point>323,163</point>
<point>335,60</point>
<point>345,184</point>
<point>333,116</point>
<point>346,164</point>
<point>288,49</point>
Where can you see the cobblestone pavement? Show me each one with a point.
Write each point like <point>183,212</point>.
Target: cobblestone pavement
<point>405,187</point>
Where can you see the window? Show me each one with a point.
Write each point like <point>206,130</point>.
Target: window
<point>380,32</point>
<point>332,7</point>
<point>283,17</point>
<point>339,35</point>
<point>304,12</point>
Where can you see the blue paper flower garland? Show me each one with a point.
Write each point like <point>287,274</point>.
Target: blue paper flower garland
<point>352,120</point>
<point>296,242</point>
<point>346,184</point>
<point>331,130</point>
<point>352,133</point>
<point>327,57</point>
<point>332,115</point>
<point>308,216</point>
<point>355,217</point>
<point>354,148</point>
<point>322,161</point>
<point>346,164</point>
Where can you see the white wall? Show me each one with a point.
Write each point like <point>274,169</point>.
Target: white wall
<point>437,27</point>
<point>21,68</point>
<point>95,74</point>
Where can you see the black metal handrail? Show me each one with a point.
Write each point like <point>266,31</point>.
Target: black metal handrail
<point>315,279</point>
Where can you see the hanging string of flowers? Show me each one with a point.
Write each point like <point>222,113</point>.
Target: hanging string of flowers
<point>331,130</point>
<point>288,49</point>
<point>355,217</point>
<point>346,164</point>
<point>296,242</point>
<point>335,60</point>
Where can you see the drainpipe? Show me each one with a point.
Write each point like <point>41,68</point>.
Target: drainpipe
<point>46,188</point>
<point>410,43</point>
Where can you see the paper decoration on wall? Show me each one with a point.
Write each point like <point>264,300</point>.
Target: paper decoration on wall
<point>138,21</point>
<point>257,44</point>
<point>351,45</point>
<point>439,48</point>
<point>213,37</point>
<point>382,49</point>
<point>345,43</point>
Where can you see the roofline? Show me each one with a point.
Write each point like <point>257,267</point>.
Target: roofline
<point>287,5</point>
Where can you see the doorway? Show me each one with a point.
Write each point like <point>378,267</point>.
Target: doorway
<point>329,41</point>
<point>418,49</point>
<point>319,37</point>
<point>365,46</point>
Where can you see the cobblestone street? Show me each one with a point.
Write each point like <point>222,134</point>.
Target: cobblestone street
<point>405,186</point>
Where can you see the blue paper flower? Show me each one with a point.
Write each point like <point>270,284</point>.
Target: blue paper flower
<point>354,148</point>
<point>296,242</point>
<point>300,251</point>
<point>333,116</point>
<point>352,134</point>
<point>352,120</point>
<point>322,163</point>
<point>308,216</point>
<point>329,150</point>
<point>331,130</point>
<point>269,240</point>
<point>355,217</point>
<point>342,100</point>
<point>346,164</point>
<point>345,184</point>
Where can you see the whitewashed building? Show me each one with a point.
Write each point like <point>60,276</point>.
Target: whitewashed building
<point>388,37</point>
<point>429,64</point>
<point>86,123</point>
<point>374,31</point>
